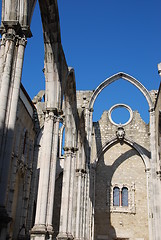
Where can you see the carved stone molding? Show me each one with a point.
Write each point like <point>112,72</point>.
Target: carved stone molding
<point>81,172</point>
<point>10,37</point>
<point>22,41</point>
<point>15,25</point>
<point>64,236</point>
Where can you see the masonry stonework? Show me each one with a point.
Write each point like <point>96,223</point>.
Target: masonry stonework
<point>63,176</point>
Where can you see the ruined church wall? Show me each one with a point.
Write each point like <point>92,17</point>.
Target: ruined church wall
<point>121,166</point>
<point>103,131</point>
<point>22,169</point>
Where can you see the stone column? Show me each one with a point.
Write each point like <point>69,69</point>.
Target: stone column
<point>7,148</point>
<point>155,201</point>
<point>34,186</point>
<point>88,202</point>
<point>10,42</point>
<point>39,231</point>
<point>149,198</point>
<point>84,207</point>
<point>71,199</point>
<point>88,205</point>
<point>2,52</point>
<point>63,230</point>
<point>6,140</point>
<point>50,203</point>
<point>78,210</point>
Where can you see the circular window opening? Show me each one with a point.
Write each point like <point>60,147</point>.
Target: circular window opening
<point>120,114</point>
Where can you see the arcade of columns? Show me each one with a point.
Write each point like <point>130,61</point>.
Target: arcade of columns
<point>15,29</point>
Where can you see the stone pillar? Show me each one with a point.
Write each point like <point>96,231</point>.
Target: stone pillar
<point>50,203</point>
<point>9,104</point>
<point>71,198</point>
<point>88,206</point>
<point>87,217</point>
<point>40,231</point>
<point>65,230</point>
<point>34,186</point>
<point>149,198</point>
<point>156,230</point>
<point>2,52</point>
<point>84,194</point>
<point>78,210</point>
<point>7,148</point>
<point>10,42</point>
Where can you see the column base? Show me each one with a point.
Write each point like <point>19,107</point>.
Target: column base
<point>65,236</point>
<point>39,232</point>
<point>50,231</point>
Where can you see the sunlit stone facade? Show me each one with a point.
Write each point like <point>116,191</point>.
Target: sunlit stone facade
<point>63,176</point>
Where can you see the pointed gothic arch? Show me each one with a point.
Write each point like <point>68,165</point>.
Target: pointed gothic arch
<point>143,153</point>
<point>126,77</point>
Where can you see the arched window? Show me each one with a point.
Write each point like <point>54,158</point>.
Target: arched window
<point>124,197</point>
<point>116,196</point>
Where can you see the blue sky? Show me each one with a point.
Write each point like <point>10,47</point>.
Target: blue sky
<point>101,38</point>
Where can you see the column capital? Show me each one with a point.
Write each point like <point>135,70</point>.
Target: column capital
<point>147,170</point>
<point>51,114</point>
<point>21,41</point>
<point>151,110</point>
<point>81,170</point>
<point>2,41</point>
<point>10,37</point>
<point>70,149</point>
<point>15,25</point>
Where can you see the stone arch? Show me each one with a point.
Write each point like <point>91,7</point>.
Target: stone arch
<point>55,66</point>
<point>143,153</point>
<point>105,177</point>
<point>126,77</point>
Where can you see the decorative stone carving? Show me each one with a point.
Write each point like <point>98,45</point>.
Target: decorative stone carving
<point>120,133</point>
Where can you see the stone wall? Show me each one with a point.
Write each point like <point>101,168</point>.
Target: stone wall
<point>19,203</point>
<point>120,166</point>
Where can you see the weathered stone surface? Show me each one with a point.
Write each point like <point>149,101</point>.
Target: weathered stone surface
<point>47,192</point>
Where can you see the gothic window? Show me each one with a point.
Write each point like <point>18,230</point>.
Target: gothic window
<point>121,198</point>
<point>116,196</point>
<point>124,197</point>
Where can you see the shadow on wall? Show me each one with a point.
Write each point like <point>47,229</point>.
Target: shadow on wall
<point>57,204</point>
<point>104,177</point>
<point>102,222</point>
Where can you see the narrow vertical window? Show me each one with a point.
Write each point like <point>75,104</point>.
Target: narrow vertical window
<point>124,197</point>
<point>116,196</point>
